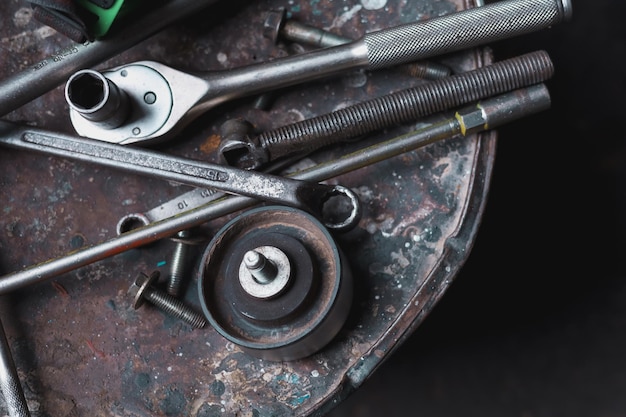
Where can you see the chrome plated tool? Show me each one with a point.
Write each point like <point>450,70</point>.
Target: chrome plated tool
<point>53,70</point>
<point>315,198</point>
<point>249,152</point>
<point>147,101</point>
<point>484,115</point>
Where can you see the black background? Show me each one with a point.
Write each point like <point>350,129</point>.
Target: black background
<point>535,323</point>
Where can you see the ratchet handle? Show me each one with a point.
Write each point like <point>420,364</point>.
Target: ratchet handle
<point>464,29</point>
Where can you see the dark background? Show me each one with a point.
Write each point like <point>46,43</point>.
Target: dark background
<point>535,323</point>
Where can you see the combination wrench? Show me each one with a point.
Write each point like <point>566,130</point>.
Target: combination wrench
<point>148,101</point>
<point>184,202</point>
<point>315,198</point>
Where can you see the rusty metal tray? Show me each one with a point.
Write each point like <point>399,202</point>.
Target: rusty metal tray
<point>81,349</point>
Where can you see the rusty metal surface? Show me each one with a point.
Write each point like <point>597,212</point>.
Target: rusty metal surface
<point>80,347</point>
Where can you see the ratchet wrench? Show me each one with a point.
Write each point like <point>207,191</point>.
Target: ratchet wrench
<point>316,198</point>
<point>43,76</point>
<point>148,101</point>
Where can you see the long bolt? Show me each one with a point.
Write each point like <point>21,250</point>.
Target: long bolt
<point>277,26</point>
<point>392,109</point>
<point>142,290</point>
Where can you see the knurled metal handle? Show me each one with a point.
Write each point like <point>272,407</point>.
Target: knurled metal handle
<point>464,29</point>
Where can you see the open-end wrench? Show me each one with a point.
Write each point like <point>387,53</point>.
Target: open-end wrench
<point>488,114</point>
<point>148,101</point>
<point>178,204</point>
<point>316,198</point>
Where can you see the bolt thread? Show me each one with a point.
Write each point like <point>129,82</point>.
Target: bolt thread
<point>407,105</point>
<point>175,307</point>
<point>177,265</point>
<point>426,70</point>
<point>177,271</point>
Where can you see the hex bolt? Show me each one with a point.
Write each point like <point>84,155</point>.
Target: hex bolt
<point>277,26</point>
<point>142,290</point>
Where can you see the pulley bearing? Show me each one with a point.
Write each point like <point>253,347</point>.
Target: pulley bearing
<point>273,281</point>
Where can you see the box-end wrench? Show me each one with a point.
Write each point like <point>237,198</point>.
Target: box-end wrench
<point>484,115</point>
<point>148,101</point>
<point>316,198</point>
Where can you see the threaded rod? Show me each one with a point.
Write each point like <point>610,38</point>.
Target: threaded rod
<point>407,105</point>
<point>174,307</point>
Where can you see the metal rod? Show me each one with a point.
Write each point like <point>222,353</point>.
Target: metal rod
<point>9,380</point>
<point>389,47</point>
<point>52,71</point>
<point>487,114</point>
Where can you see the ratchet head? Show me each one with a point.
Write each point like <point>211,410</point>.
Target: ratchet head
<point>97,99</point>
<point>141,102</point>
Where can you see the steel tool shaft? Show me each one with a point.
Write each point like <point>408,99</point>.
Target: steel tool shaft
<point>308,196</point>
<point>485,115</point>
<point>182,97</point>
<point>392,109</point>
<point>9,380</point>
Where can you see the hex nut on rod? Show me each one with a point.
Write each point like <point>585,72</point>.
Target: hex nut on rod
<point>142,290</point>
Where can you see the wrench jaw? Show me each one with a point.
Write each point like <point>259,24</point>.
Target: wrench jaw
<point>239,148</point>
<point>337,207</point>
<point>242,153</point>
<point>131,222</point>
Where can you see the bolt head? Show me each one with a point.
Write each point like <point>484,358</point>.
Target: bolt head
<point>273,24</point>
<point>139,286</point>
